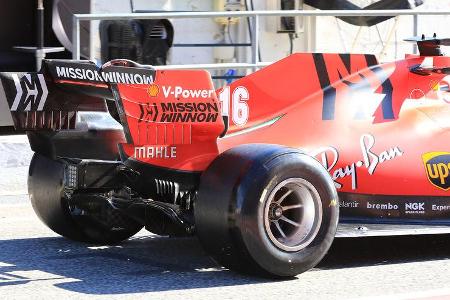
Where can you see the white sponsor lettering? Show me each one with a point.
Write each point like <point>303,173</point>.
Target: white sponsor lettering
<point>382,206</point>
<point>179,92</point>
<point>440,207</point>
<point>105,76</point>
<point>329,157</point>
<point>415,208</point>
<point>163,152</point>
<point>348,204</point>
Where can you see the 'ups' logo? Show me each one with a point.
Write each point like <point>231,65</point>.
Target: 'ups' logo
<point>437,166</point>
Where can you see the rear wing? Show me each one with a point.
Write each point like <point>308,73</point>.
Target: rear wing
<point>51,98</point>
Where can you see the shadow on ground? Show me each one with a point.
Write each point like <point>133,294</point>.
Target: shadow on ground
<point>151,264</point>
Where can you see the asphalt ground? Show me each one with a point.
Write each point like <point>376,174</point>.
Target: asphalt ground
<point>35,263</point>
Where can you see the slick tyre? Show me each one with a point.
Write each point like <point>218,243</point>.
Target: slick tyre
<point>266,210</point>
<point>45,187</point>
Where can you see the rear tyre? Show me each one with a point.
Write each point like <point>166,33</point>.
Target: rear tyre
<point>266,210</point>
<point>45,187</point>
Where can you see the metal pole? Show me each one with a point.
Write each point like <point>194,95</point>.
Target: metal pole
<point>75,38</point>
<point>40,24</point>
<point>250,14</point>
<point>255,40</point>
<point>39,54</point>
<point>265,13</point>
<point>212,66</point>
<point>415,30</point>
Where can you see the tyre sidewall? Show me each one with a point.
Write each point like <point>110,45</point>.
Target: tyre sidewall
<point>256,187</point>
<point>45,187</point>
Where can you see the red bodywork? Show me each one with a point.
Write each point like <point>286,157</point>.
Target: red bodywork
<point>158,120</point>
<point>378,129</point>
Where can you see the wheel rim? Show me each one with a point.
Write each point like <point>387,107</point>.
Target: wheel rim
<point>293,214</point>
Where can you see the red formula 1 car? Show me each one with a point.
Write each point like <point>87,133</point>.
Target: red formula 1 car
<point>258,170</point>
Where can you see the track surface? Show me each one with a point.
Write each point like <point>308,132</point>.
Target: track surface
<point>37,264</point>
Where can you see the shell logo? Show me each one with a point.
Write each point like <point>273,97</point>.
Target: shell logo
<point>153,90</point>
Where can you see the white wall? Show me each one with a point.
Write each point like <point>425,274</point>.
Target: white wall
<point>186,31</point>
<point>321,34</point>
<point>273,46</point>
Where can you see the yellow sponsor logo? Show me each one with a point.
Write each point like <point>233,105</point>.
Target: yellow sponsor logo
<point>153,90</point>
<point>437,167</point>
<point>333,203</point>
<point>434,85</point>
